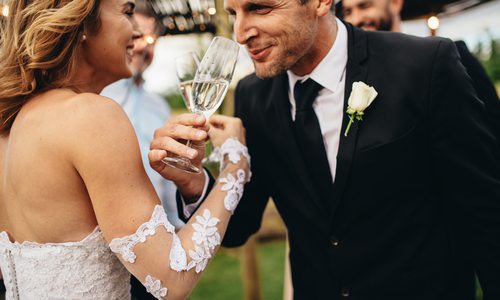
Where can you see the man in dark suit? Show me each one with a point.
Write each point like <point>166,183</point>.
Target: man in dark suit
<point>385,15</point>
<point>403,204</point>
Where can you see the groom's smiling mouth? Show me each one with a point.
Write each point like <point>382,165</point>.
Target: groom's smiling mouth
<point>260,54</point>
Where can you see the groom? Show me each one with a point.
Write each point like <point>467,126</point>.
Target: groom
<point>405,205</point>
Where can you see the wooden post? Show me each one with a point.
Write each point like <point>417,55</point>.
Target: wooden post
<point>224,28</point>
<point>250,270</point>
<point>287,285</point>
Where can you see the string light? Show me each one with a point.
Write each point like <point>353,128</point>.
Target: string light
<point>433,23</point>
<point>186,18</point>
<point>212,11</point>
<point>5,10</point>
<point>149,39</point>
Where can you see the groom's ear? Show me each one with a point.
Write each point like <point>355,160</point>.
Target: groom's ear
<point>325,7</point>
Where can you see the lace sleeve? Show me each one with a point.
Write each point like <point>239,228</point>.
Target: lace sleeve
<point>169,263</point>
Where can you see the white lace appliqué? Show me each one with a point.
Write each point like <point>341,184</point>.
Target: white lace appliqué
<point>234,150</point>
<point>234,187</point>
<point>153,286</point>
<point>206,238</point>
<point>125,245</point>
<point>178,257</point>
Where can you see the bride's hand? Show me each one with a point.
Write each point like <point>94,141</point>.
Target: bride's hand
<point>224,127</point>
<point>171,139</point>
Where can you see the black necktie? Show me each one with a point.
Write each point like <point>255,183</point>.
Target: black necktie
<point>309,138</point>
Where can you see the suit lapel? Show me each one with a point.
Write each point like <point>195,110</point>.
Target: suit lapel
<point>355,71</point>
<point>285,139</point>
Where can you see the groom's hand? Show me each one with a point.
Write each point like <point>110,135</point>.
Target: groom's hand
<point>170,140</point>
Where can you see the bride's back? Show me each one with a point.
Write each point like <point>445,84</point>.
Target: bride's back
<point>46,211</point>
<point>42,197</point>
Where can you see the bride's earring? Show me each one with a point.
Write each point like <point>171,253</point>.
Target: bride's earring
<point>84,37</point>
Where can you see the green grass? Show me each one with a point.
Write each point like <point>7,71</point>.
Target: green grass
<point>222,279</point>
<point>271,266</point>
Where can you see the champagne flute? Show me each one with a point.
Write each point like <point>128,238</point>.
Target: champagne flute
<point>185,67</point>
<point>210,84</point>
<point>213,76</point>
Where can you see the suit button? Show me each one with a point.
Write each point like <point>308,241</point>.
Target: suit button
<point>344,292</point>
<point>334,241</point>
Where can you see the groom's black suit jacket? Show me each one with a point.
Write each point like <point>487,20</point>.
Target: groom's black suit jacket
<point>415,208</point>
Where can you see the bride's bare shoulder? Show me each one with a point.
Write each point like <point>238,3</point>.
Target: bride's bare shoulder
<point>94,108</point>
<point>61,112</point>
<point>97,127</point>
<point>94,116</point>
<point>74,120</point>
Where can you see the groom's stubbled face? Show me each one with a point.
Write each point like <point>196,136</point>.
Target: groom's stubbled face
<point>279,34</point>
<point>369,14</point>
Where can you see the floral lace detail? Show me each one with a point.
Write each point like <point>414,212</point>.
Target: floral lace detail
<point>234,188</point>
<point>153,286</point>
<point>234,150</point>
<point>125,245</point>
<point>178,257</point>
<point>74,270</point>
<point>206,238</point>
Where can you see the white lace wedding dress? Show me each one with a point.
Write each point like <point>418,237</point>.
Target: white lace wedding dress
<point>77,270</point>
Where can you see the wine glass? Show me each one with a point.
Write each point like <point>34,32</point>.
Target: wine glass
<point>213,76</point>
<point>209,87</point>
<point>185,68</point>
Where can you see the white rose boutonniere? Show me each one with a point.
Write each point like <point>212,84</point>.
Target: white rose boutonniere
<point>361,97</point>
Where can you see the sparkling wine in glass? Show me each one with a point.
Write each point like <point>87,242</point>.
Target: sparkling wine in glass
<point>208,95</point>
<point>185,67</point>
<point>210,84</point>
<point>213,76</point>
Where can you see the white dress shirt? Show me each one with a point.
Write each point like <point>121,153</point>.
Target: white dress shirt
<point>329,104</point>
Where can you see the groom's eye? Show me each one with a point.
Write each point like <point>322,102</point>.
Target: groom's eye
<point>259,9</point>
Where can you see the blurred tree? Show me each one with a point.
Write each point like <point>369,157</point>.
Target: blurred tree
<point>489,56</point>
<point>492,65</point>
<point>174,98</point>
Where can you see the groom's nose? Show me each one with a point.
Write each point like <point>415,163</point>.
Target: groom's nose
<point>244,30</point>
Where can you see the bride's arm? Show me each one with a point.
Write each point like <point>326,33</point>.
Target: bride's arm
<point>106,155</point>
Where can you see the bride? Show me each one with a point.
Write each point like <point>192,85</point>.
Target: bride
<point>77,211</point>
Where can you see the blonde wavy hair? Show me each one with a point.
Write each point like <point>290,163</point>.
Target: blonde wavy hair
<point>39,41</point>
